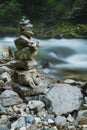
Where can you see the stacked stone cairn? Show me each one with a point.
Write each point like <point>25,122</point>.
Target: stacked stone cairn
<point>25,66</point>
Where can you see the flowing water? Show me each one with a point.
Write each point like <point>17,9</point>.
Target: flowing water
<point>61,59</point>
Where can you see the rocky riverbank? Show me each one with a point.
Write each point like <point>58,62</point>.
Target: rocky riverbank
<point>31,101</point>
<point>53,105</point>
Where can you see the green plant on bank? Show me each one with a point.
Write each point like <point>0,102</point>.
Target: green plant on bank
<point>67,29</point>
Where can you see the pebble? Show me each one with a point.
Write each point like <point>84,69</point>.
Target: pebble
<point>85,100</point>
<point>45,123</point>
<point>19,123</point>
<point>50,121</point>
<point>3,119</point>
<point>70,118</point>
<point>29,119</point>
<point>22,128</point>
<point>60,120</point>
<point>71,128</point>
<point>37,120</point>
<point>35,104</point>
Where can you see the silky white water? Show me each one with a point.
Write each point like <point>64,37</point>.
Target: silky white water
<point>66,57</point>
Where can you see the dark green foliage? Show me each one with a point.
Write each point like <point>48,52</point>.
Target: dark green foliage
<point>10,12</point>
<point>46,13</point>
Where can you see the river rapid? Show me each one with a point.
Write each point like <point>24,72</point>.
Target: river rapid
<point>60,58</point>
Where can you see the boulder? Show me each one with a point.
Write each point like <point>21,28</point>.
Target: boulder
<point>5,52</point>
<point>9,98</point>
<point>26,53</point>
<point>64,98</point>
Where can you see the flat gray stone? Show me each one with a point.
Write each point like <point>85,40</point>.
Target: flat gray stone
<point>64,98</point>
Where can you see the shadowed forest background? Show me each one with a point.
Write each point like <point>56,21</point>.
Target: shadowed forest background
<point>68,17</point>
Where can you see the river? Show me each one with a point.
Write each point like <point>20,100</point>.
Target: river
<point>61,59</point>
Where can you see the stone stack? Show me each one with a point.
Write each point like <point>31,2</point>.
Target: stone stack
<point>25,66</point>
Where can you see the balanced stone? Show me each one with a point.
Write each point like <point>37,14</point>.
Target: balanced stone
<point>27,33</point>
<point>22,42</point>
<point>23,64</point>
<point>26,27</point>
<point>24,78</point>
<point>26,53</point>
<point>24,22</point>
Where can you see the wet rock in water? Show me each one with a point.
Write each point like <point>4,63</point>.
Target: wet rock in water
<point>5,52</point>
<point>82,117</point>
<point>60,121</point>
<point>35,104</point>
<point>9,97</point>
<point>64,98</point>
